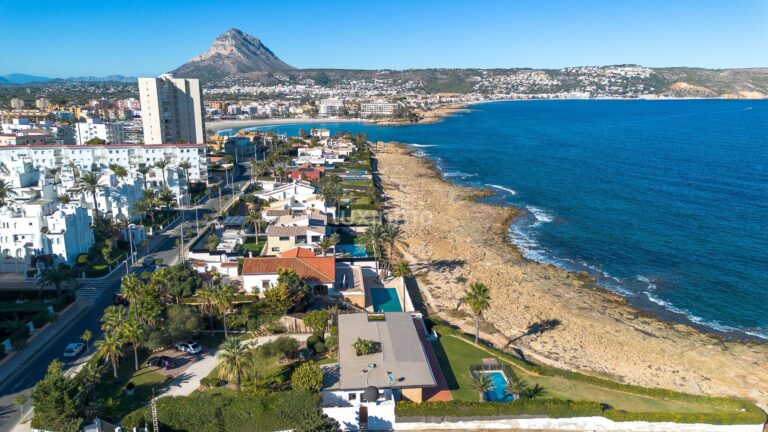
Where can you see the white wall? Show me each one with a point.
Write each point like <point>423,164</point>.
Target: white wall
<point>578,424</point>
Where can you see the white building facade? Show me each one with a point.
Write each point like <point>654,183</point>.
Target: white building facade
<point>172,110</point>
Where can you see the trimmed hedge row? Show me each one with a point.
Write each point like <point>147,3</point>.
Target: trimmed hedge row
<point>553,408</point>
<point>215,410</point>
<point>744,412</point>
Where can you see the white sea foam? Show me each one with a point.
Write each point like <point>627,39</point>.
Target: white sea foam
<point>511,192</point>
<point>451,174</point>
<point>423,145</point>
<point>541,215</point>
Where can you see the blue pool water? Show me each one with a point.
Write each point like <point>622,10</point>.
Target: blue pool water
<point>498,392</point>
<point>664,202</point>
<point>354,250</point>
<point>385,300</point>
<point>354,178</point>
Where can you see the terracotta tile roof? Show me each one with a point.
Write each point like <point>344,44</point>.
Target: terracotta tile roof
<point>311,269</point>
<point>297,252</point>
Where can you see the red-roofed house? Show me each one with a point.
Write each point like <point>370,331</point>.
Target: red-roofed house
<point>318,272</point>
<point>306,172</point>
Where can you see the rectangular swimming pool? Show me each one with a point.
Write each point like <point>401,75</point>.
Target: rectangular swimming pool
<point>385,300</point>
<point>354,250</point>
<point>498,391</point>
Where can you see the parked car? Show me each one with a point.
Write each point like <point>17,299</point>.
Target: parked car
<point>148,261</point>
<point>162,362</point>
<point>74,349</point>
<point>189,347</point>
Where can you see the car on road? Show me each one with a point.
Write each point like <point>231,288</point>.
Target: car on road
<point>189,347</point>
<point>74,349</point>
<point>162,362</point>
<point>148,261</point>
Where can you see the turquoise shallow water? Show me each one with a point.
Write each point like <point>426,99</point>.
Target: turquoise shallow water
<point>665,202</point>
<point>385,300</point>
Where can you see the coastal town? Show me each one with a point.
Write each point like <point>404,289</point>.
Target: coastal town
<point>308,282</point>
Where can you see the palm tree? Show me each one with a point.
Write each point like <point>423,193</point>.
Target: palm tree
<point>325,244</point>
<point>393,235</point>
<point>111,349</point>
<point>132,289</point>
<point>478,298</point>
<point>516,386</point>
<point>119,170</point>
<point>206,298</point>
<point>481,383</point>
<point>254,218</point>
<point>64,198</point>
<point>185,166</point>
<point>234,360</point>
<point>144,171</point>
<point>374,235</point>
<point>141,208</point>
<point>54,172</point>
<point>91,182</point>
<point>56,276</point>
<point>162,165</point>
<point>402,269</point>
<point>133,333</point>
<point>6,190</point>
<point>150,197</point>
<point>223,299</point>
<point>113,319</point>
<point>86,337</point>
<point>533,392</point>
<point>75,170</point>
<point>167,197</point>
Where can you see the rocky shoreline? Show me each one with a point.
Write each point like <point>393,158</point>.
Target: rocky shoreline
<point>553,316</point>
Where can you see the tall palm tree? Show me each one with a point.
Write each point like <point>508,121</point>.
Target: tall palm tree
<point>75,170</point>
<point>141,208</point>
<point>481,383</point>
<point>91,182</point>
<point>162,165</point>
<point>113,319</point>
<point>393,236</point>
<point>144,171</point>
<point>56,276</point>
<point>111,348</point>
<point>254,218</point>
<point>325,244</point>
<point>235,359</point>
<point>374,235</point>
<point>185,166</point>
<point>206,299</point>
<point>478,298</point>
<point>132,289</point>
<point>6,190</point>
<point>54,172</point>
<point>224,296</point>
<point>150,197</point>
<point>133,333</point>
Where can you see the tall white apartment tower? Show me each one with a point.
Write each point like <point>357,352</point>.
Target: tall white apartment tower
<point>172,110</point>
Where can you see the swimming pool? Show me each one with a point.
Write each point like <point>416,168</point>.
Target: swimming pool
<point>498,392</point>
<point>354,250</point>
<point>385,300</point>
<point>357,172</point>
<point>355,178</point>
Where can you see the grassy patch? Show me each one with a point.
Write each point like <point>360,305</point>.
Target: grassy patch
<point>251,245</point>
<point>456,353</point>
<point>111,391</point>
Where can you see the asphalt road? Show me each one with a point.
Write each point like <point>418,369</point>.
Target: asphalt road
<point>25,379</point>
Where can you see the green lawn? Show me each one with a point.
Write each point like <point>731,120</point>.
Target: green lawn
<point>364,216</point>
<point>251,245</point>
<point>111,391</point>
<point>456,355</point>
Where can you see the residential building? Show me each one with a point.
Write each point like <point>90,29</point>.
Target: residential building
<point>306,172</point>
<point>111,133</point>
<point>330,107</point>
<point>297,189</point>
<point>290,231</point>
<point>377,109</point>
<point>42,227</point>
<point>172,110</point>
<point>319,273</point>
<point>361,391</point>
<point>28,137</point>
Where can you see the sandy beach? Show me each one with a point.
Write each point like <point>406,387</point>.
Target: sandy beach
<point>229,124</point>
<point>555,317</point>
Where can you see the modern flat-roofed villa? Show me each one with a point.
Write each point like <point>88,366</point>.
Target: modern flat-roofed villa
<point>361,390</point>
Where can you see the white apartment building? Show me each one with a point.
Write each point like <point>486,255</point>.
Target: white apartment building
<point>111,133</point>
<point>330,107</point>
<point>378,108</point>
<point>30,137</point>
<point>39,228</point>
<point>172,110</point>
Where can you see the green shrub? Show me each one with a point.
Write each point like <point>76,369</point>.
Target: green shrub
<point>749,416</point>
<point>366,346</point>
<point>307,376</point>
<point>224,410</point>
<point>211,382</point>
<point>553,408</point>
<point>312,340</point>
<point>41,318</point>
<point>285,346</point>
<point>319,348</point>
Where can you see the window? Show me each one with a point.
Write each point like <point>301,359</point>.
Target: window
<point>352,396</point>
<point>284,238</point>
<point>265,283</point>
<point>275,249</point>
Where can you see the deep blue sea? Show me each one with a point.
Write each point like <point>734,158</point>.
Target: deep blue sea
<point>665,202</point>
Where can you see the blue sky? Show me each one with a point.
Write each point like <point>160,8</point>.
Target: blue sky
<point>68,38</point>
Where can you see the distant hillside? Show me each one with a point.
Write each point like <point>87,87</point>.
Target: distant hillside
<point>18,78</point>
<point>735,83</point>
<point>232,53</point>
